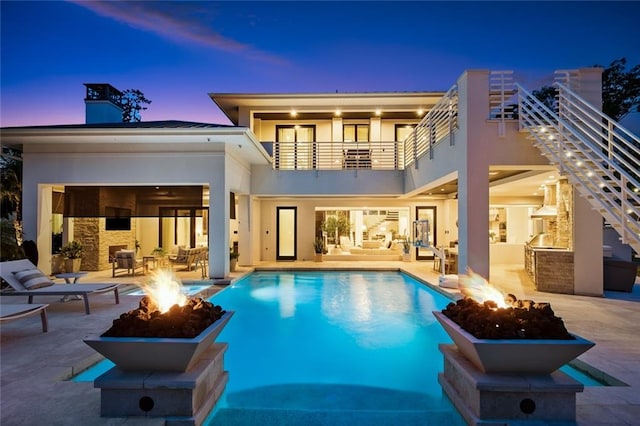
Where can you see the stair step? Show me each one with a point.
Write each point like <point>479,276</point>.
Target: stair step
<point>276,417</point>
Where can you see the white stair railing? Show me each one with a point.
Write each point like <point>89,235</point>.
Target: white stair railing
<point>440,124</point>
<point>600,157</point>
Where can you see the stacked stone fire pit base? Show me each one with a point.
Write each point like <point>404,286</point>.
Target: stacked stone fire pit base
<point>499,381</point>
<point>175,377</point>
<point>182,398</point>
<point>500,399</point>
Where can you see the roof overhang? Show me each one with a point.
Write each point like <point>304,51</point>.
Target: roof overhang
<point>238,141</point>
<point>231,103</point>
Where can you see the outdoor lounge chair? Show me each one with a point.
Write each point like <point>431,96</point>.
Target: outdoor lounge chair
<point>10,312</point>
<point>27,280</point>
<point>126,259</point>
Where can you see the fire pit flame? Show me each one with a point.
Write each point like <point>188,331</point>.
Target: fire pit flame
<point>164,290</point>
<point>477,288</point>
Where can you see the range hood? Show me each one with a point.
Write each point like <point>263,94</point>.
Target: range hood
<point>548,209</point>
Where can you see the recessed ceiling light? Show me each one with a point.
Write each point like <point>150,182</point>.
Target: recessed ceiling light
<point>378,112</point>
<point>294,113</point>
<point>338,113</point>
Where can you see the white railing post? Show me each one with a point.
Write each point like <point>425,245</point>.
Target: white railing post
<point>430,140</point>
<point>610,139</point>
<point>450,118</point>
<point>415,145</point>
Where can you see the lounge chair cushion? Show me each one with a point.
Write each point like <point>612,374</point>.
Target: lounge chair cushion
<point>32,279</point>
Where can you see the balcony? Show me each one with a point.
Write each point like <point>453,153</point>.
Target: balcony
<point>321,155</point>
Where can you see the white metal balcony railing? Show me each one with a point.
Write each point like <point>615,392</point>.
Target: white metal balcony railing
<point>437,126</point>
<point>599,156</point>
<point>321,155</point>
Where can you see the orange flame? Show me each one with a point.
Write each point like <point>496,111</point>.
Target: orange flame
<point>476,287</point>
<point>165,290</point>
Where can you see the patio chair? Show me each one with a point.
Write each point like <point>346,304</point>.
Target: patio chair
<point>11,311</point>
<point>126,259</point>
<point>27,280</point>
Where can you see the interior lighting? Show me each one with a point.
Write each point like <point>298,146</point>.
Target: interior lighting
<point>629,211</point>
<point>378,112</point>
<point>568,154</point>
<point>420,112</point>
<point>601,185</point>
<point>579,163</point>
<point>589,174</point>
<point>636,189</point>
<point>338,113</point>
<point>551,137</point>
<point>294,113</point>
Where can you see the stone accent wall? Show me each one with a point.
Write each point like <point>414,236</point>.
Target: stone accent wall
<point>564,230</point>
<point>87,231</point>
<point>91,231</point>
<point>554,271</point>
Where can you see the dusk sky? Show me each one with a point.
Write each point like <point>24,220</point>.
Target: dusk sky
<point>178,52</point>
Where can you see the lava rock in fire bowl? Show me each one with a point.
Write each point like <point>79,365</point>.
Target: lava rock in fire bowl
<point>186,321</point>
<point>525,319</point>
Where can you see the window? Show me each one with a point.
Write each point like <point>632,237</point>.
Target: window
<point>355,132</point>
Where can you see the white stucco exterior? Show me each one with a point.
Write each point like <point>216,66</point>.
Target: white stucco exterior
<point>229,159</point>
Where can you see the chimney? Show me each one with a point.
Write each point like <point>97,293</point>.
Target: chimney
<point>102,104</point>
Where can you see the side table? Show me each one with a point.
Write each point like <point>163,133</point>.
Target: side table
<point>68,277</point>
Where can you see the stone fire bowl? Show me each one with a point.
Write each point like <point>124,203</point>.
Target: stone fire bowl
<point>514,356</point>
<point>157,353</point>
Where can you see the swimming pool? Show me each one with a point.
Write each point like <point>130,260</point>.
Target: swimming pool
<point>343,346</point>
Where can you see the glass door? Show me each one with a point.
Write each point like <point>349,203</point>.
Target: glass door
<point>286,233</point>
<point>427,213</point>
<point>295,147</point>
<point>183,227</point>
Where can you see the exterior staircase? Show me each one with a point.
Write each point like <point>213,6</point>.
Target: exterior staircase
<point>598,156</point>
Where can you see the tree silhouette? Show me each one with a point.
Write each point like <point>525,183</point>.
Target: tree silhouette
<point>620,89</point>
<point>132,101</point>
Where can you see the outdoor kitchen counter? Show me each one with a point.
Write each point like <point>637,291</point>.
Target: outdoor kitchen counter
<point>550,269</point>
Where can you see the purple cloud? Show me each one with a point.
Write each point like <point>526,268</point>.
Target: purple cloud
<point>180,22</point>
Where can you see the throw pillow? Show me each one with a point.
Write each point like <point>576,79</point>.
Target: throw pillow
<point>32,279</point>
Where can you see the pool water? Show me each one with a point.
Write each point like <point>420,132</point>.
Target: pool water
<point>188,289</point>
<point>332,342</point>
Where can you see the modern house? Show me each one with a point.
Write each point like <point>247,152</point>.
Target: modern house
<point>478,162</point>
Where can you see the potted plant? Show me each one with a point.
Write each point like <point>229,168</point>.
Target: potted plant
<point>406,250</point>
<point>233,259</point>
<point>159,252</point>
<point>336,226</point>
<point>72,253</point>
<point>318,248</point>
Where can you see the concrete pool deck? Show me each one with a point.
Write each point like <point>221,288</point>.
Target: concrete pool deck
<point>34,365</point>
